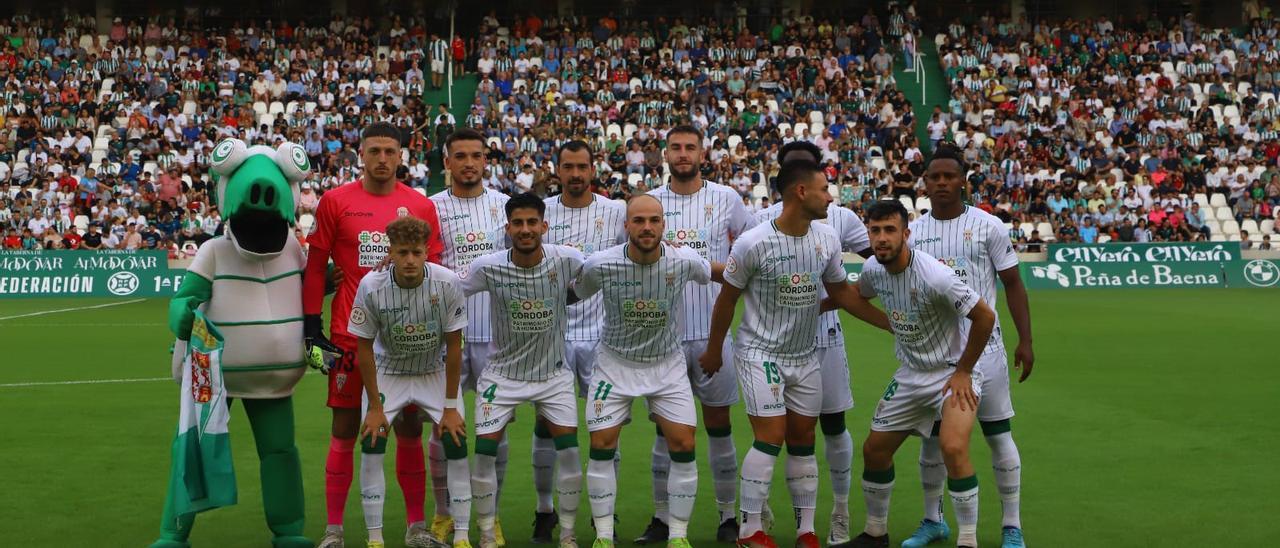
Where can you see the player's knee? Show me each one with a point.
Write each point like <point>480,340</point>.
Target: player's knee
<point>876,458</point>
<point>681,441</point>
<point>954,448</point>
<point>715,417</point>
<point>800,439</point>
<point>346,423</point>
<point>832,424</point>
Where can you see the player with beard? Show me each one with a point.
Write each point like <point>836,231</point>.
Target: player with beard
<point>641,283</point>
<point>779,266</point>
<point>837,394</point>
<point>472,218</point>
<point>350,226</point>
<point>590,223</point>
<point>705,217</point>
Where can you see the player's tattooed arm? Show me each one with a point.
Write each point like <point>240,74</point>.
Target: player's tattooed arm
<point>375,422</point>
<point>842,295</point>
<point>1020,309</point>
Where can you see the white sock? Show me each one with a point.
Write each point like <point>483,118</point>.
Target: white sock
<point>839,453</point>
<point>933,472</point>
<point>757,474</point>
<point>500,467</point>
<point>660,467</point>
<point>802,482</point>
<point>964,498</point>
<point>440,477</point>
<point>484,487</point>
<point>682,487</point>
<point>459,497</point>
<point>602,487</point>
<point>375,534</point>
<point>544,469</point>
<point>1007,464</point>
<point>723,457</point>
<point>373,489</point>
<point>568,487</point>
<point>876,494</point>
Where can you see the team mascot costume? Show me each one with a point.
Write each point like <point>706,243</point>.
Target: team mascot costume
<point>239,313</point>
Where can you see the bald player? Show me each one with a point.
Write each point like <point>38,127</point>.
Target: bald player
<point>837,393</point>
<point>640,285</point>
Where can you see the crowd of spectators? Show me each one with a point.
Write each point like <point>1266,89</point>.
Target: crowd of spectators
<point>1096,130</point>
<point>1082,130</point>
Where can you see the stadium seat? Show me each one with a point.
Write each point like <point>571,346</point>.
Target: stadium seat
<point>733,141</point>
<point>98,156</point>
<point>907,202</point>
<point>1249,225</point>
<point>1231,228</point>
<point>801,129</point>
<point>105,130</point>
<point>1104,238</point>
<point>772,105</point>
<point>924,204</point>
<point>1224,213</point>
<point>362,84</point>
<point>310,107</point>
<point>783,127</point>
<point>1217,238</point>
<point>150,167</point>
<point>816,130</point>
<point>259,107</point>
<point>102,143</point>
<point>1267,226</point>
<point>1046,231</point>
<point>1202,199</point>
<point>306,222</point>
<point>1255,237</point>
<point>634,180</point>
<point>1217,200</point>
<point>759,191</point>
<point>816,117</point>
<point>1027,229</point>
<point>1233,237</point>
<point>276,108</point>
<point>81,222</point>
<point>1214,227</point>
<point>267,120</point>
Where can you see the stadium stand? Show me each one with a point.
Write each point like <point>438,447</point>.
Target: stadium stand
<point>1078,130</point>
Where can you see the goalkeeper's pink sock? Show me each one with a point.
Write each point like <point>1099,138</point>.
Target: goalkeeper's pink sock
<point>411,472</point>
<point>337,478</point>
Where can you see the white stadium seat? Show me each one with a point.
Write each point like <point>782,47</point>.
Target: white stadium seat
<point>1217,200</point>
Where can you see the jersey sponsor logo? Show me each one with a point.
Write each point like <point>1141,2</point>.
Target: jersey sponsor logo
<point>645,313</point>
<point>695,239</point>
<point>455,217</point>
<point>357,213</point>
<point>630,283</point>
<point>357,315</point>
<point>415,337</point>
<point>797,290</point>
<point>958,264</point>
<point>469,245</point>
<point>531,315</point>
<point>771,260</point>
<point>906,325</point>
<point>923,241</point>
<point>373,247</point>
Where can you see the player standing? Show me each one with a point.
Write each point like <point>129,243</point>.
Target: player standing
<point>350,221</point>
<point>780,266</point>
<point>837,394</point>
<point>705,217</point>
<point>472,218</point>
<point>529,291</point>
<point>402,319</point>
<point>590,223</point>
<point>976,246</point>
<point>927,304</point>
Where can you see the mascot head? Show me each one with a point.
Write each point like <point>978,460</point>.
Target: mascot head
<point>258,191</point>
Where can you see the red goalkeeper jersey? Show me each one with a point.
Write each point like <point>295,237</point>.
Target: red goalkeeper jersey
<point>351,227</point>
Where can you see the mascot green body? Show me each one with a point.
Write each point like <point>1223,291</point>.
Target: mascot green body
<point>248,284</point>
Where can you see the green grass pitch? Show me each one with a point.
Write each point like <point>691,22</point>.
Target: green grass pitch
<point>1149,421</point>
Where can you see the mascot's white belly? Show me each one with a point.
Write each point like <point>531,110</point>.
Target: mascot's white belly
<point>257,306</point>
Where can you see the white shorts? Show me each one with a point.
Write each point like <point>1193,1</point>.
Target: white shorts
<point>720,390</point>
<point>475,357</point>
<point>913,400</point>
<point>497,398</point>
<point>580,357</point>
<point>399,391</point>
<point>770,390</point>
<point>616,382</point>
<point>837,393</point>
<point>997,402</point>
<point>437,65</point>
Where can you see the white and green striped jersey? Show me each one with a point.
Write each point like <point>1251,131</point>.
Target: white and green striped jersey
<point>853,237</point>
<point>638,299</point>
<point>976,247</point>
<point>925,304</point>
<point>407,325</point>
<point>588,229</point>
<point>780,275</point>
<point>707,222</point>
<point>472,228</point>
<point>528,310</point>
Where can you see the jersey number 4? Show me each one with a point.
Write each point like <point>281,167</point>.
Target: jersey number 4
<point>488,393</point>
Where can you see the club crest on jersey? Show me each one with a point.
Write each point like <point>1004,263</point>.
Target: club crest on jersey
<point>551,276</point>
<point>435,300</point>
<point>671,278</point>
<point>493,213</point>
<point>402,211</point>
<point>915,296</point>
<point>777,391</point>
<point>599,224</point>
<point>968,236</point>
<point>599,405</point>
<point>710,211</point>
<point>486,409</point>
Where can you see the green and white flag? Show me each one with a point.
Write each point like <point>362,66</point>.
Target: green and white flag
<point>203,475</point>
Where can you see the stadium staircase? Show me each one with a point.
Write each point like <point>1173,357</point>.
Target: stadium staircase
<point>937,88</point>
<point>464,94</point>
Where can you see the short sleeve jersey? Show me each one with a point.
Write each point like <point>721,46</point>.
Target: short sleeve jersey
<point>590,230</point>
<point>641,301</point>
<point>707,222</point>
<point>853,238</point>
<point>471,228</point>
<point>351,225</point>
<point>527,306</point>
<point>976,247</point>
<point>781,276</point>
<point>407,325</point>
<point>926,304</point>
